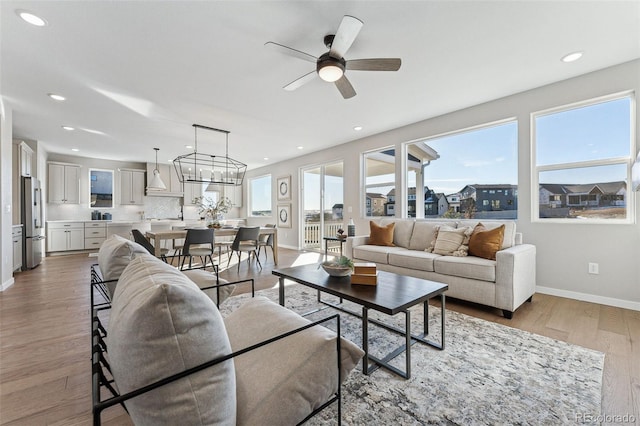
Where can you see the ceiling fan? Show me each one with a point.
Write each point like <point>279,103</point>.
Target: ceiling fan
<point>331,66</point>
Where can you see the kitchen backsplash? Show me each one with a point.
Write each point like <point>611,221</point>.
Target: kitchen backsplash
<point>154,208</point>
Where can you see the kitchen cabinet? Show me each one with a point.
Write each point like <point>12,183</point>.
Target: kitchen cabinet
<point>25,154</point>
<point>191,192</point>
<point>64,236</point>
<point>170,178</point>
<point>132,186</point>
<point>95,233</point>
<point>232,192</point>
<point>16,234</point>
<point>64,183</point>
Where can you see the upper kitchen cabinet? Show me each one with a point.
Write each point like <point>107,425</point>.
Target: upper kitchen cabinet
<point>25,154</point>
<point>64,183</point>
<point>169,177</point>
<point>192,191</point>
<point>131,186</point>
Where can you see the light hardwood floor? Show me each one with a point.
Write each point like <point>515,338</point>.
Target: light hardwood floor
<point>45,343</point>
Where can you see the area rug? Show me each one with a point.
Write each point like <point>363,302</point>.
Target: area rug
<point>488,374</point>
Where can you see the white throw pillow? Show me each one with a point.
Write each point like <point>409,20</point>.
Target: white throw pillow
<point>205,279</point>
<point>114,256</point>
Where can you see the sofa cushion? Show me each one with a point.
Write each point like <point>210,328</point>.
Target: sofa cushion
<point>509,239</point>
<point>381,235</point>
<point>113,257</point>
<point>423,234</point>
<point>413,259</point>
<point>161,323</point>
<point>467,267</point>
<point>376,254</point>
<point>402,231</point>
<point>207,279</point>
<point>485,243</point>
<point>282,382</point>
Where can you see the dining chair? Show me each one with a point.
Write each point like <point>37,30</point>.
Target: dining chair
<point>265,241</point>
<point>246,240</point>
<point>139,238</point>
<point>199,242</point>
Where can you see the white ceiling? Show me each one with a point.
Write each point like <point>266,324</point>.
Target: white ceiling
<point>138,74</point>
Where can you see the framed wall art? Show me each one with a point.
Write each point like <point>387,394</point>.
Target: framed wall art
<point>284,188</point>
<point>284,215</point>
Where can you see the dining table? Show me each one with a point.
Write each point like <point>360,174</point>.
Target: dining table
<point>156,237</point>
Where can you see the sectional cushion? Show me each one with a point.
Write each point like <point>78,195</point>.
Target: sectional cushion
<point>381,235</point>
<point>277,385</point>
<point>113,257</point>
<point>204,279</point>
<point>485,243</point>
<point>413,259</point>
<point>161,323</point>
<point>401,232</point>
<point>423,234</point>
<point>377,254</point>
<point>467,267</point>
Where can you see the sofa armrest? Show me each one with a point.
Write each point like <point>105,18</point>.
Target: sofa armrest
<point>515,276</point>
<point>352,242</point>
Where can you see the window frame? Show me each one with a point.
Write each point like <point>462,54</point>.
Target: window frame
<point>250,198</point>
<point>364,187</point>
<point>627,161</point>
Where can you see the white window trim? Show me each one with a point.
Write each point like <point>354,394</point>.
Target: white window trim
<point>535,170</point>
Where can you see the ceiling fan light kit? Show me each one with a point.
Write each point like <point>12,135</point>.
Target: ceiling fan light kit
<point>198,167</point>
<point>156,183</point>
<point>331,66</point>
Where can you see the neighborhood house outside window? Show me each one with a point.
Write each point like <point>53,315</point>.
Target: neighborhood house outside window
<point>472,173</point>
<point>582,161</point>
<point>260,196</point>
<point>380,173</point>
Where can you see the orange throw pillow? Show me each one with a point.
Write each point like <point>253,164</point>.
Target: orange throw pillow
<point>486,243</point>
<point>381,235</point>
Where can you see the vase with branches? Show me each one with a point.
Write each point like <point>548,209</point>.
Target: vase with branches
<point>213,209</point>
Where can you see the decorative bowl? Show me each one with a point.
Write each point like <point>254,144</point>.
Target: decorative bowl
<point>336,270</point>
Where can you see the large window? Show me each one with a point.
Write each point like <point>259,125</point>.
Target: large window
<point>467,174</point>
<point>260,196</point>
<point>582,161</point>
<point>379,177</point>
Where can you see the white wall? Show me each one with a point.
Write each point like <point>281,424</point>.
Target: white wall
<point>6,167</point>
<point>564,250</point>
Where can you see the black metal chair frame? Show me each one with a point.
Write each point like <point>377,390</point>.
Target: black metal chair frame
<point>101,370</point>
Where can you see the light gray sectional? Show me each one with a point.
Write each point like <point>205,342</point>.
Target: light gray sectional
<point>504,283</point>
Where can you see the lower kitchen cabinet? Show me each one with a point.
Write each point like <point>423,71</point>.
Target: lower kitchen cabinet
<point>63,236</point>
<point>94,234</point>
<point>16,234</point>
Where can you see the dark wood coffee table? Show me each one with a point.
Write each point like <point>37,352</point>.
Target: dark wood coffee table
<point>392,295</point>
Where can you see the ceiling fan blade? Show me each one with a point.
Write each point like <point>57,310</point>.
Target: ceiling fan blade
<point>300,81</point>
<point>346,34</point>
<point>378,64</point>
<point>291,51</point>
<point>345,87</point>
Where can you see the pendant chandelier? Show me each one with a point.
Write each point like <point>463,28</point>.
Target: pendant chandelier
<point>198,167</point>
<point>156,183</point>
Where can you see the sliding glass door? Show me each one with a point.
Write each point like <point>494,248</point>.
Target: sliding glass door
<point>322,198</point>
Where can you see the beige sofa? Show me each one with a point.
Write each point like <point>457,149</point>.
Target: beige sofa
<point>165,338</point>
<point>504,283</point>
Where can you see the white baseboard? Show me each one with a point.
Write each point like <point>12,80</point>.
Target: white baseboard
<point>602,300</point>
<point>5,285</point>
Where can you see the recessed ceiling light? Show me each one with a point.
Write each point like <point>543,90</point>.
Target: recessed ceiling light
<point>31,18</point>
<point>300,147</point>
<point>56,97</point>
<point>68,128</point>
<point>188,146</point>
<point>357,128</point>
<point>266,158</point>
<point>75,149</point>
<point>572,57</point>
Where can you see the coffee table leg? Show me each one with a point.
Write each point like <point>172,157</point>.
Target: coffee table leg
<point>407,325</point>
<point>442,318</point>
<point>365,340</point>
<point>425,319</point>
<point>281,291</point>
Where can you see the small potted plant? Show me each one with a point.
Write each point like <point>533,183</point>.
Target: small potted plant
<point>340,267</point>
<point>213,210</point>
<point>341,234</point>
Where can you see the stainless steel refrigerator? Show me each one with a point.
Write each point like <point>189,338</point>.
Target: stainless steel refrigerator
<point>31,212</point>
